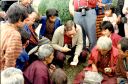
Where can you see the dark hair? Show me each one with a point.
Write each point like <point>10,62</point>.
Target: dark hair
<point>110,7</point>
<point>59,77</point>
<point>24,35</point>
<point>5,4</point>
<point>124,44</point>
<point>107,25</point>
<point>51,12</point>
<point>68,25</point>
<point>15,13</point>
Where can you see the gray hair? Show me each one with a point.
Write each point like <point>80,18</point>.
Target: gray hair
<point>59,79</point>
<point>45,51</point>
<point>12,76</point>
<point>104,43</point>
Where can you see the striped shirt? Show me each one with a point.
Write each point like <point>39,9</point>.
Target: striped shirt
<point>10,47</point>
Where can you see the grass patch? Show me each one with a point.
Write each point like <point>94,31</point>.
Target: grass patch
<point>72,71</point>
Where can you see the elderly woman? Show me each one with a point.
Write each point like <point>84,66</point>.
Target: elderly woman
<point>12,76</point>
<point>37,72</point>
<point>103,59</point>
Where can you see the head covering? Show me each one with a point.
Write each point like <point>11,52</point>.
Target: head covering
<point>43,41</point>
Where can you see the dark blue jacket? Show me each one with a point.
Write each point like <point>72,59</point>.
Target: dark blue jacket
<point>22,59</point>
<point>43,28</point>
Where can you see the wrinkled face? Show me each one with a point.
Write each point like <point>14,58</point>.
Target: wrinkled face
<point>52,18</point>
<point>108,13</point>
<point>103,52</point>
<point>71,33</point>
<point>106,32</point>
<point>26,2</point>
<point>50,58</point>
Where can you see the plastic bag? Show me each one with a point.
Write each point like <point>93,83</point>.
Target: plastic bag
<point>92,78</point>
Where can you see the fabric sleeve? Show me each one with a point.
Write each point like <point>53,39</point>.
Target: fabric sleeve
<point>125,7</point>
<point>14,48</point>
<point>42,77</point>
<point>79,43</point>
<point>115,18</point>
<point>55,40</point>
<point>41,80</point>
<point>120,70</point>
<point>92,59</point>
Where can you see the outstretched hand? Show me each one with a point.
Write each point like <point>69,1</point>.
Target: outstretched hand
<point>66,49</point>
<point>52,68</point>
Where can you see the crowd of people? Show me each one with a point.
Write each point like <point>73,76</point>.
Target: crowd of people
<point>28,56</point>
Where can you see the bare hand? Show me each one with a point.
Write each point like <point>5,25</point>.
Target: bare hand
<point>72,13</point>
<point>118,19</point>
<point>94,68</point>
<point>127,74</point>
<point>66,49</point>
<point>52,68</point>
<point>2,14</point>
<point>107,70</point>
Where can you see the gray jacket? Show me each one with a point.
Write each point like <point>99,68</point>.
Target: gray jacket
<point>77,40</point>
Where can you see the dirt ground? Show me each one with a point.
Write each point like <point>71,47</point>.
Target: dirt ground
<point>72,71</point>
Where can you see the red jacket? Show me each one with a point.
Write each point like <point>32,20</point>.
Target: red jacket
<point>94,59</point>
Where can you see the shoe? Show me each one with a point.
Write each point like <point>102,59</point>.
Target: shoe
<point>73,63</point>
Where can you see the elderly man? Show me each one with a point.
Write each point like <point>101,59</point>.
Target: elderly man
<point>11,45</point>
<point>67,40</point>
<point>103,59</point>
